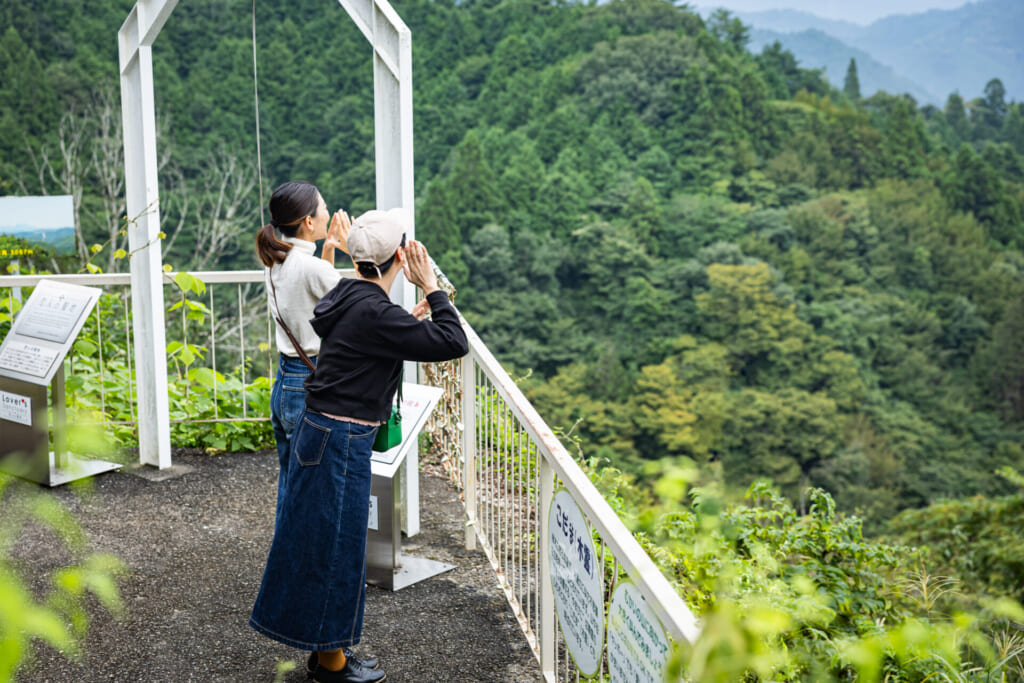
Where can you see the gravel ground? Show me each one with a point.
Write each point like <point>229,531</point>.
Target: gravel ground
<point>195,539</point>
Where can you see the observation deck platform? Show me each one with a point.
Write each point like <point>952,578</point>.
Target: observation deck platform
<point>195,543</point>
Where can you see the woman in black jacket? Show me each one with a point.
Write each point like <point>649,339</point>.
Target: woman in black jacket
<point>314,585</point>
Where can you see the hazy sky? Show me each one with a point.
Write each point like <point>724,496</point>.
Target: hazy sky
<point>858,11</point>
<point>40,212</point>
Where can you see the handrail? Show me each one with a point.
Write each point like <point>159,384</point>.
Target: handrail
<point>670,608</point>
<point>124,279</point>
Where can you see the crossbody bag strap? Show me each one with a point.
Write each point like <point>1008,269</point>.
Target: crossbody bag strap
<point>401,381</point>
<point>302,354</point>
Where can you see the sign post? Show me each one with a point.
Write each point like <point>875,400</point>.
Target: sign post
<point>32,359</point>
<point>386,565</point>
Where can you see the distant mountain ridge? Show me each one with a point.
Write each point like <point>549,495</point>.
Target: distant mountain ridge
<point>940,50</point>
<point>817,49</point>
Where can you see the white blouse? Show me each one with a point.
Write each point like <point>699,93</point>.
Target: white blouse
<point>300,282</point>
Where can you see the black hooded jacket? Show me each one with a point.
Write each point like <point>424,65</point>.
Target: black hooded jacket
<point>365,339</point>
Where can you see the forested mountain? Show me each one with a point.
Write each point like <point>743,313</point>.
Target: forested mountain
<point>940,50</point>
<point>698,252</point>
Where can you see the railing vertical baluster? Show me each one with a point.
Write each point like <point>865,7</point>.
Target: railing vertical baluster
<point>608,595</point>
<point>130,354</point>
<point>241,346</point>
<point>506,502</point>
<point>184,340</point>
<point>469,447</point>
<point>103,364</point>
<point>491,495</point>
<point>517,501</point>
<point>510,514</point>
<point>213,353</point>
<point>534,548</point>
<point>547,596</point>
<point>481,455</point>
<point>502,536</point>
<point>495,507</point>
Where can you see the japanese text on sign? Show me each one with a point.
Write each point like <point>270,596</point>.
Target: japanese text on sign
<point>26,358</point>
<point>576,580</point>
<point>52,315</point>
<point>638,650</point>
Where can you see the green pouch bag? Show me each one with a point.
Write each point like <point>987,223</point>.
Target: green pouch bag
<point>389,434</point>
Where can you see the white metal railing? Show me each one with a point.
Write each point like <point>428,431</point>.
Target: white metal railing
<point>235,333</point>
<point>509,464</point>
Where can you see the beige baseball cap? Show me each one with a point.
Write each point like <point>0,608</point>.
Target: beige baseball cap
<point>376,235</point>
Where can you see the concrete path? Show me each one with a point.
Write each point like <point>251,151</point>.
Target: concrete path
<point>195,544</point>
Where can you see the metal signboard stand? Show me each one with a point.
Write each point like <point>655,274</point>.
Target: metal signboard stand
<point>31,360</point>
<point>386,565</point>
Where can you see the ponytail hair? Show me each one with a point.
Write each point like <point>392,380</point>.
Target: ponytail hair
<point>290,204</point>
<point>270,249</point>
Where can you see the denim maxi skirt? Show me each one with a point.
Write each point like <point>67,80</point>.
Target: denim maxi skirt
<point>287,401</point>
<point>314,585</point>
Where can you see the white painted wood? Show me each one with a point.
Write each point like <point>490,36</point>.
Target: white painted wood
<point>391,43</point>
<point>138,111</point>
<point>392,62</point>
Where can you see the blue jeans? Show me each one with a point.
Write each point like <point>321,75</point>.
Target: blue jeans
<point>287,401</point>
<point>314,586</point>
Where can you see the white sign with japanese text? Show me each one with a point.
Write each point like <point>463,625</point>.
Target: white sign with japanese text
<point>54,314</point>
<point>638,650</point>
<point>28,358</point>
<point>577,581</point>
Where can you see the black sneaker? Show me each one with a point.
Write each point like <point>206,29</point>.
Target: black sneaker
<point>351,673</point>
<point>366,663</point>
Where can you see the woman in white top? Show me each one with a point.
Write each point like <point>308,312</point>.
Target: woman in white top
<point>295,281</point>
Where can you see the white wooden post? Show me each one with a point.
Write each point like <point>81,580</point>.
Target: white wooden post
<point>392,89</point>
<point>392,141</point>
<point>135,40</point>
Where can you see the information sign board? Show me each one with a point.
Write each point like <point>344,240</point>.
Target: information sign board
<point>31,374</point>
<point>577,581</point>
<point>638,650</point>
<point>44,330</point>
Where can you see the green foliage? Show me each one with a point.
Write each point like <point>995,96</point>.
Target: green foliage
<point>60,618</point>
<point>785,596</point>
<point>978,539</point>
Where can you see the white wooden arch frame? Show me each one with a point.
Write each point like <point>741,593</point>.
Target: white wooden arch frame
<point>392,96</point>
